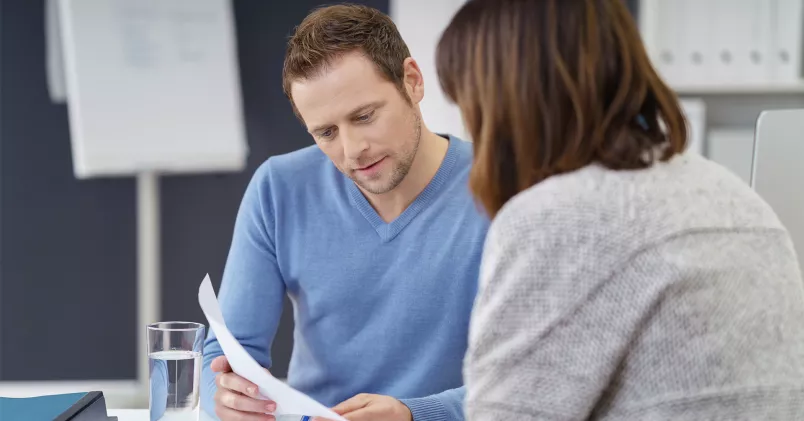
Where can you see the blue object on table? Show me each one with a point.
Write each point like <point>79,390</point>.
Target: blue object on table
<point>66,407</point>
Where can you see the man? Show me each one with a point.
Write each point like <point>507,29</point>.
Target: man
<point>372,233</point>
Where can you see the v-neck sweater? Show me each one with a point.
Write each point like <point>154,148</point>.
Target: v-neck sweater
<point>378,307</point>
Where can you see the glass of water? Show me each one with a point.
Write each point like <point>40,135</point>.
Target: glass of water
<point>174,362</point>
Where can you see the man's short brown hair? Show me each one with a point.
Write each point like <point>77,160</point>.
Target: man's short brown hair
<point>330,32</point>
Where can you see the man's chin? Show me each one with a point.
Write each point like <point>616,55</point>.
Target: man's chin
<point>373,186</point>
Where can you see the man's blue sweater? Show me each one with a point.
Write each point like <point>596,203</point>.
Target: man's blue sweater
<point>379,307</point>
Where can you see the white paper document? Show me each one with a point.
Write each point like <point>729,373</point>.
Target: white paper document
<point>288,400</point>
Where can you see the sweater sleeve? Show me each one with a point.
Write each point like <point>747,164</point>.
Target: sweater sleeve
<point>445,406</point>
<point>252,289</point>
<point>547,333</point>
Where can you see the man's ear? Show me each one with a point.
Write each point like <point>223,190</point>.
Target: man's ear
<point>413,80</point>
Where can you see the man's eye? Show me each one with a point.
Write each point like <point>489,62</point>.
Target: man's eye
<point>325,134</point>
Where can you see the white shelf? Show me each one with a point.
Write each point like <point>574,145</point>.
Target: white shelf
<point>795,88</point>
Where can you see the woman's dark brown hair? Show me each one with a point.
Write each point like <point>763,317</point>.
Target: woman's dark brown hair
<point>550,86</point>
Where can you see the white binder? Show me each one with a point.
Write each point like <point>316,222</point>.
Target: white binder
<point>754,52</point>
<point>729,21</point>
<point>695,26</point>
<point>659,21</point>
<point>744,34</point>
<point>786,51</point>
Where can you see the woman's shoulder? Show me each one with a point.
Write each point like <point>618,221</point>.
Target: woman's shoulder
<point>634,207</point>
<point>559,201</point>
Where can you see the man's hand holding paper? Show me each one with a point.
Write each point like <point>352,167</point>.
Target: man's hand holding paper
<point>238,398</point>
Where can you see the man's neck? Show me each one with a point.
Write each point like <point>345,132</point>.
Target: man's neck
<point>431,152</point>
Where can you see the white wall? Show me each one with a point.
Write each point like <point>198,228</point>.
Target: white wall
<point>421,23</point>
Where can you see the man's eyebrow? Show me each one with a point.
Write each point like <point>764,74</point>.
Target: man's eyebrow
<point>319,128</point>
<point>355,112</point>
<point>361,109</point>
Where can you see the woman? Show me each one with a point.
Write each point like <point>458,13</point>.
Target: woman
<point>622,278</point>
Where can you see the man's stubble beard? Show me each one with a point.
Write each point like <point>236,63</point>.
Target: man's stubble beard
<point>401,170</point>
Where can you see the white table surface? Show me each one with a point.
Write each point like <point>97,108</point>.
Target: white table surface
<point>142,415</point>
<point>129,414</point>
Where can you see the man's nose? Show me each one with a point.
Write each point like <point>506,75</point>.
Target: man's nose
<point>354,146</point>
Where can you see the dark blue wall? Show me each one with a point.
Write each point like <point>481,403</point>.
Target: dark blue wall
<point>67,247</point>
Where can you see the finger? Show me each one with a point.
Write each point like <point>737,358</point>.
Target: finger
<point>243,403</point>
<point>220,365</point>
<point>352,404</point>
<point>234,382</point>
<point>228,414</point>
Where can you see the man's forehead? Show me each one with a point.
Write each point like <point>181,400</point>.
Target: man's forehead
<point>352,72</point>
